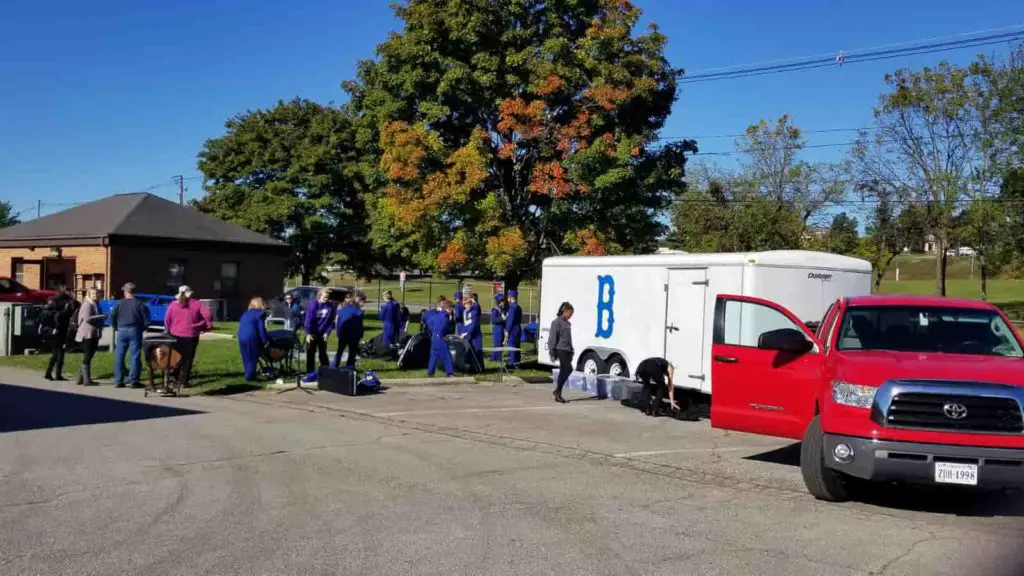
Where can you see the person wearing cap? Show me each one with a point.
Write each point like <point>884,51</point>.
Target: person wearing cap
<point>185,320</point>
<point>498,325</point>
<point>457,313</point>
<point>129,319</point>
<point>514,325</point>
<point>439,325</point>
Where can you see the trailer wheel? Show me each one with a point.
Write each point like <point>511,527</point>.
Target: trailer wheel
<point>617,366</point>
<point>822,483</point>
<point>591,363</point>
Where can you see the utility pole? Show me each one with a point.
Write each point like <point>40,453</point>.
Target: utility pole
<point>39,208</point>
<point>181,189</point>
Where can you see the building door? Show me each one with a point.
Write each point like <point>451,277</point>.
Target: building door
<point>684,325</point>
<point>58,272</point>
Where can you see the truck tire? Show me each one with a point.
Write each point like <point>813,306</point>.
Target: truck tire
<point>591,363</point>
<point>822,483</point>
<point>617,366</point>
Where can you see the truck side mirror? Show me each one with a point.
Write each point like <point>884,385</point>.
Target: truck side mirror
<point>785,340</point>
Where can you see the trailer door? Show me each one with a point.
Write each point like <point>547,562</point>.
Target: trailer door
<point>684,325</point>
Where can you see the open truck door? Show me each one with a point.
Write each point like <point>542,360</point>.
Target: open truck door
<point>765,367</point>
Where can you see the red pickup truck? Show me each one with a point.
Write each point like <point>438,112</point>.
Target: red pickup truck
<point>13,291</point>
<point>916,389</point>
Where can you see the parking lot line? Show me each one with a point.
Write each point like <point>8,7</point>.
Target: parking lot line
<point>686,450</point>
<point>469,410</point>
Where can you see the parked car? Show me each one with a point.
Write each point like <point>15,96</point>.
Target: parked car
<point>13,291</point>
<point>156,304</point>
<point>914,389</point>
<point>303,295</point>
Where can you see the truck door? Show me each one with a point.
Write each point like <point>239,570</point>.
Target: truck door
<point>756,390</point>
<point>684,325</point>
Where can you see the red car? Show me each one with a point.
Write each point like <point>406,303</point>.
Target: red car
<point>915,389</point>
<point>13,291</point>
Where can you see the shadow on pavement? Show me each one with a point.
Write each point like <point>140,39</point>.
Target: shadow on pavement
<point>916,498</point>
<point>786,456</point>
<point>25,408</point>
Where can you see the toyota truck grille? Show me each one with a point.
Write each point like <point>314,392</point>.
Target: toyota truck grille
<point>955,413</point>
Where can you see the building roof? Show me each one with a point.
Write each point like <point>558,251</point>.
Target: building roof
<point>794,258</point>
<point>138,215</point>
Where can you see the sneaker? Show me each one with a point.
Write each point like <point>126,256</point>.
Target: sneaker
<point>136,385</point>
<point>119,385</point>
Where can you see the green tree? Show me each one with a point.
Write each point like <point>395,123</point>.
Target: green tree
<point>893,225</point>
<point>291,172</point>
<point>7,215</point>
<point>983,226</point>
<point>843,237</point>
<point>503,131</point>
<point>927,142</point>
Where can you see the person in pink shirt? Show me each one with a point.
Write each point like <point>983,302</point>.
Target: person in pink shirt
<point>185,320</point>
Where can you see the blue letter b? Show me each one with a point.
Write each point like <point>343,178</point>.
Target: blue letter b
<point>605,302</point>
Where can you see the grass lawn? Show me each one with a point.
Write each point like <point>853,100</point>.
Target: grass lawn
<point>218,368</point>
<point>1007,294</point>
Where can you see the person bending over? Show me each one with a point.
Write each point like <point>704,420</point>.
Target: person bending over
<point>657,376</point>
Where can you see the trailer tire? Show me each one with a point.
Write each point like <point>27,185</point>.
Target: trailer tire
<point>591,363</point>
<point>822,483</point>
<point>617,366</point>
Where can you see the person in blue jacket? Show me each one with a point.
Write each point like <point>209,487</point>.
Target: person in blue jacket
<point>390,315</point>
<point>471,330</point>
<point>252,336</point>
<point>319,321</point>
<point>498,325</point>
<point>439,325</point>
<point>514,325</point>
<point>293,314</point>
<point>350,330</point>
<point>457,313</point>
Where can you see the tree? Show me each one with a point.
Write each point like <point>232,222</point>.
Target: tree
<point>843,236</point>
<point>893,225</point>
<point>927,143</point>
<point>768,204</point>
<point>291,172</point>
<point>7,215</point>
<point>502,131</point>
<point>983,226</point>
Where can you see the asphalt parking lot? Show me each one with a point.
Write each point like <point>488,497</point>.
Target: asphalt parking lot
<point>441,480</point>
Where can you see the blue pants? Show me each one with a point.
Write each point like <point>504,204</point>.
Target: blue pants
<point>250,349</point>
<point>127,340</point>
<point>514,337</point>
<point>439,352</point>
<point>350,360</point>
<point>497,339</point>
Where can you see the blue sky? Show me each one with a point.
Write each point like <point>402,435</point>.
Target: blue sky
<point>119,95</point>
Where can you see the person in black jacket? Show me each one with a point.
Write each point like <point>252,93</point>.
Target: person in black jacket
<point>55,321</point>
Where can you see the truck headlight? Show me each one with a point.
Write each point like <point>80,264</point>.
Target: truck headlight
<point>853,394</point>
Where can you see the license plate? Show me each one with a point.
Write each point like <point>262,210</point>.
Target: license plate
<point>950,473</point>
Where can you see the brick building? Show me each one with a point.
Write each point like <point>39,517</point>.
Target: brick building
<point>155,243</point>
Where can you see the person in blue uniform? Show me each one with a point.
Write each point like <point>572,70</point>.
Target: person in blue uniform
<point>471,330</point>
<point>252,336</point>
<point>498,325</point>
<point>390,315</point>
<point>350,330</point>
<point>439,325</point>
<point>457,312</point>
<point>318,323</point>
<point>514,325</point>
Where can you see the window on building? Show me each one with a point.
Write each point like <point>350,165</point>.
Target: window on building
<point>229,278</point>
<point>19,272</point>
<point>175,274</point>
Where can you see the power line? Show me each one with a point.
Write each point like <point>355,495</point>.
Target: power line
<point>718,136</point>
<point>853,57</point>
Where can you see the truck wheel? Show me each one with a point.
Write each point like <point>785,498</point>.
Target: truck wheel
<point>591,363</point>
<point>617,366</point>
<point>821,482</point>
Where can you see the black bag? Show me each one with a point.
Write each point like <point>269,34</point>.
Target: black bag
<point>337,380</point>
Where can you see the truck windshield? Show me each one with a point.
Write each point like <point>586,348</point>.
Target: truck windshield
<point>927,329</point>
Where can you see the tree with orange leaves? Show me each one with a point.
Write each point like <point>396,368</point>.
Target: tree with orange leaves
<point>499,132</point>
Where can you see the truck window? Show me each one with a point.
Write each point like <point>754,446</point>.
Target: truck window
<point>927,329</point>
<point>746,321</point>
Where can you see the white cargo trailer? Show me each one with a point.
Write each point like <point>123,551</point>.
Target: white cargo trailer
<point>628,308</point>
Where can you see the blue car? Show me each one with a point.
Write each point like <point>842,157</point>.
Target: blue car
<point>156,304</point>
